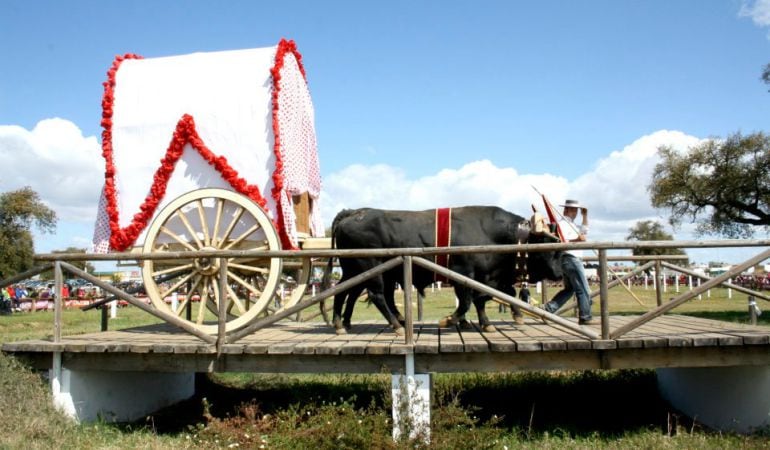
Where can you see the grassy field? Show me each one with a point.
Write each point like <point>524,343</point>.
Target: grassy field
<point>609,409</point>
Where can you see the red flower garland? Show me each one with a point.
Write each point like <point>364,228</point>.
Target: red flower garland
<point>185,132</point>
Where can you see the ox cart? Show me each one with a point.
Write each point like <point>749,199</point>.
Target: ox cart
<point>211,151</point>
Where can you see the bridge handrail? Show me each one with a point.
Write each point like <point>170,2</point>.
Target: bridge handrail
<point>407,256</point>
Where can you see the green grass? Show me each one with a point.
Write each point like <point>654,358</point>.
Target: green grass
<point>602,409</point>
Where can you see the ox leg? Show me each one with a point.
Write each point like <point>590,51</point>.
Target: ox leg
<point>480,303</point>
<point>390,302</point>
<point>350,305</point>
<point>339,301</point>
<point>379,301</point>
<point>464,296</point>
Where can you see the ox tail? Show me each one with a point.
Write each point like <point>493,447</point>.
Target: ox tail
<point>326,281</point>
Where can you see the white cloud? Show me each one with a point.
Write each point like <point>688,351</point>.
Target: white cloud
<point>55,159</point>
<point>758,11</point>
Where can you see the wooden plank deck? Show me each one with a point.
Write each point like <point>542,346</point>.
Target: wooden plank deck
<point>667,341</point>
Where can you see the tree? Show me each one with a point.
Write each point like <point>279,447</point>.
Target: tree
<point>766,75</point>
<point>649,230</point>
<point>19,211</point>
<point>722,185</point>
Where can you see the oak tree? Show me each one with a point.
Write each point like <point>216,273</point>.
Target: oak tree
<point>723,186</point>
<point>20,210</point>
<point>650,230</point>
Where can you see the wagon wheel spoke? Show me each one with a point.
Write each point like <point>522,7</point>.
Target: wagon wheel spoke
<point>183,217</point>
<point>188,297</point>
<point>177,285</point>
<point>172,269</point>
<point>176,237</point>
<point>247,268</point>
<point>236,301</point>
<point>217,220</point>
<point>203,301</point>
<point>243,236</point>
<point>236,218</point>
<point>204,224</point>
<point>244,283</point>
<point>217,299</point>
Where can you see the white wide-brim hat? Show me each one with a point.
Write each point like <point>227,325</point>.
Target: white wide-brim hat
<point>571,204</point>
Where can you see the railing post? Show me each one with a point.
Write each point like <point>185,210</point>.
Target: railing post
<point>409,335</point>
<point>604,294</point>
<point>105,318</point>
<point>658,280</point>
<point>222,319</point>
<point>57,301</point>
<point>753,310</point>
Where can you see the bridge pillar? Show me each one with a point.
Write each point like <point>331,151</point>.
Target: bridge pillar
<point>411,394</point>
<point>116,396</point>
<point>725,398</point>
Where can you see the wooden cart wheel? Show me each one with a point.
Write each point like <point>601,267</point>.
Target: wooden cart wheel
<point>212,219</point>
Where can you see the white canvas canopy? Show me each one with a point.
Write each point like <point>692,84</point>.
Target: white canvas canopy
<point>241,120</point>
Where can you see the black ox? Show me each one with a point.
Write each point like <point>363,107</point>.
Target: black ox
<point>471,225</point>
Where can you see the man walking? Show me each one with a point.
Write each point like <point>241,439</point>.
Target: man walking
<point>575,282</point>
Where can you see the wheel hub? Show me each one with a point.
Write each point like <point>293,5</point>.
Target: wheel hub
<point>207,265</point>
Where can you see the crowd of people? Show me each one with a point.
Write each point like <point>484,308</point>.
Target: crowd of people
<point>19,297</point>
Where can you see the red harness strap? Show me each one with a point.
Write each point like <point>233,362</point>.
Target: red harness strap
<point>443,237</point>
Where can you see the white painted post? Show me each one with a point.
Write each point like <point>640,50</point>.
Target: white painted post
<point>676,283</point>
<point>730,290</point>
<point>62,399</point>
<point>539,287</point>
<point>113,309</point>
<point>411,403</point>
<point>663,280</point>
<point>645,281</point>
<point>433,287</point>
<point>174,301</point>
<point>700,296</point>
<point>689,281</point>
<point>312,290</point>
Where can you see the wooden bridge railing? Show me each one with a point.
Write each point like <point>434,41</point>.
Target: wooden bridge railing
<point>407,257</point>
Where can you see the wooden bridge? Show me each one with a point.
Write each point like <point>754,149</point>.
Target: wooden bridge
<point>371,347</point>
<point>657,339</point>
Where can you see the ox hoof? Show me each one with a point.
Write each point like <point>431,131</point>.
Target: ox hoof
<point>341,331</point>
<point>399,331</point>
<point>489,329</point>
<point>447,321</point>
<point>465,325</point>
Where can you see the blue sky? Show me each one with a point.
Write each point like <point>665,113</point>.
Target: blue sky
<point>418,103</point>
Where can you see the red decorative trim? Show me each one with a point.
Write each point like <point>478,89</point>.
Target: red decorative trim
<point>185,132</point>
<point>443,236</point>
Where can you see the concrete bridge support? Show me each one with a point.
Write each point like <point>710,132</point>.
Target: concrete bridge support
<point>724,398</point>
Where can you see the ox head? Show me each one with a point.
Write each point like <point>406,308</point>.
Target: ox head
<point>542,265</point>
